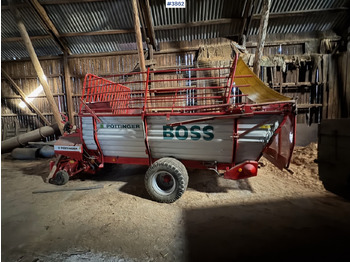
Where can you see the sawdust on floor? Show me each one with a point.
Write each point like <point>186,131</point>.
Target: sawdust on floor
<point>120,223</point>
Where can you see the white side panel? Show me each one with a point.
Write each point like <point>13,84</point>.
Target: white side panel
<point>122,136</point>
<point>88,133</point>
<point>203,141</point>
<point>251,145</point>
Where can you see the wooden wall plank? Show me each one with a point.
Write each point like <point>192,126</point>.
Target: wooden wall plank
<point>347,82</point>
<point>126,63</point>
<point>325,86</point>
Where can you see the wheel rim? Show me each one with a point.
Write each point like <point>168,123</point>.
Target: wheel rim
<point>59,177</point>
<point>163,183</point>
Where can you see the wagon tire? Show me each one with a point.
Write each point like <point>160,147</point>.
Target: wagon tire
<point>61,178</point>
<point>166,180</point>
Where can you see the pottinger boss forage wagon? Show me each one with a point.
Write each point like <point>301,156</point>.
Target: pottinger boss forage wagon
<point>173,119</point>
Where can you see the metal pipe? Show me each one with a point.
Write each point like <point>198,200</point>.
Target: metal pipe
<point>32,136</point>
<point>67,189</point>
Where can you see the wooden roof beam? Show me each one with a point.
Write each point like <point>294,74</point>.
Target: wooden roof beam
<point>303,13</point>
<point>22,29</point>
<point>23,96</point>
<point>47,21</point>
<point>69,92</point>
<point>16,39</point>
<point>156,28</point>
<point>57,2</point>
<point>138,36</point>
<point>102,32</point>
<point>146,10</point>
<point>18,5</point>
<point>247,18</point>
<point>265,12</point>
<point>63,2</point>
<point>200,23</point>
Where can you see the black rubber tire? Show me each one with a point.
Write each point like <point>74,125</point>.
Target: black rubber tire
<point>61,178</point>
<point>156,177</point>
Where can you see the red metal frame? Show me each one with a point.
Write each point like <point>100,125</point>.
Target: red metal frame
<point>235,141</point>
<point>209,99</point>
<point>214,98</point>
<point>232,78</point>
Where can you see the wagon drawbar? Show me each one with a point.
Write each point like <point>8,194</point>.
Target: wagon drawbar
<point>221,118</point>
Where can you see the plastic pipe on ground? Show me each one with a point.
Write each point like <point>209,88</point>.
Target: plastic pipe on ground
<point>25,153</point>
<point>32,136</point>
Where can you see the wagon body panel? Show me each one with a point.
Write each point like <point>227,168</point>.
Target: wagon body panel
<point>250,146</point>
<point>211,140</point>
<point>279,152</point>
<point>88,133</point>
<point>203,141</point>
<point>117,136</point>
<point>124,137</point>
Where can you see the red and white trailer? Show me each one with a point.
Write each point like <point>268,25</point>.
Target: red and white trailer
<point>175,119</point>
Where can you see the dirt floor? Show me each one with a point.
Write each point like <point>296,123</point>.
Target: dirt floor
<point>278,215</point>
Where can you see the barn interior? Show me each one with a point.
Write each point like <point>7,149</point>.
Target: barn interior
<point>300,49</point>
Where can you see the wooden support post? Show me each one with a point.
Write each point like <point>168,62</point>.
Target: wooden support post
<point>274,79</point>
<point>68,89</point>
<point>244,41</point>
<point>265,74</point>
<point>262,35</point>
<point>297,76</point>
<point>37,66</point>
<point>281,80</point>
<point>18,90</point>
<point>313,72</point>
<point>47,21</point>
<point>142,22</point>
<point>145,6</point>
<point>151,56</point>
<point>151,52</point>
<point>138,37</point>
<point>332,87</point>
<point>150,26</point>
<point>246,21</point>
<point>320,72</point>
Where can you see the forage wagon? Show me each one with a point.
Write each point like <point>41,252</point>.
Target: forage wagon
<point>220,118</point>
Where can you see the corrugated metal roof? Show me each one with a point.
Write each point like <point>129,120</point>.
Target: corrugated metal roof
<point>5,2</point>
<point>16,50</point>
<point>117,14</point>
<point>91,16</point>
<point>101,44</point>
<point>278,6</point>
<point>195,11</point>
<point>300,24</point>
<point>198,32</point>
<point>30,19</point>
